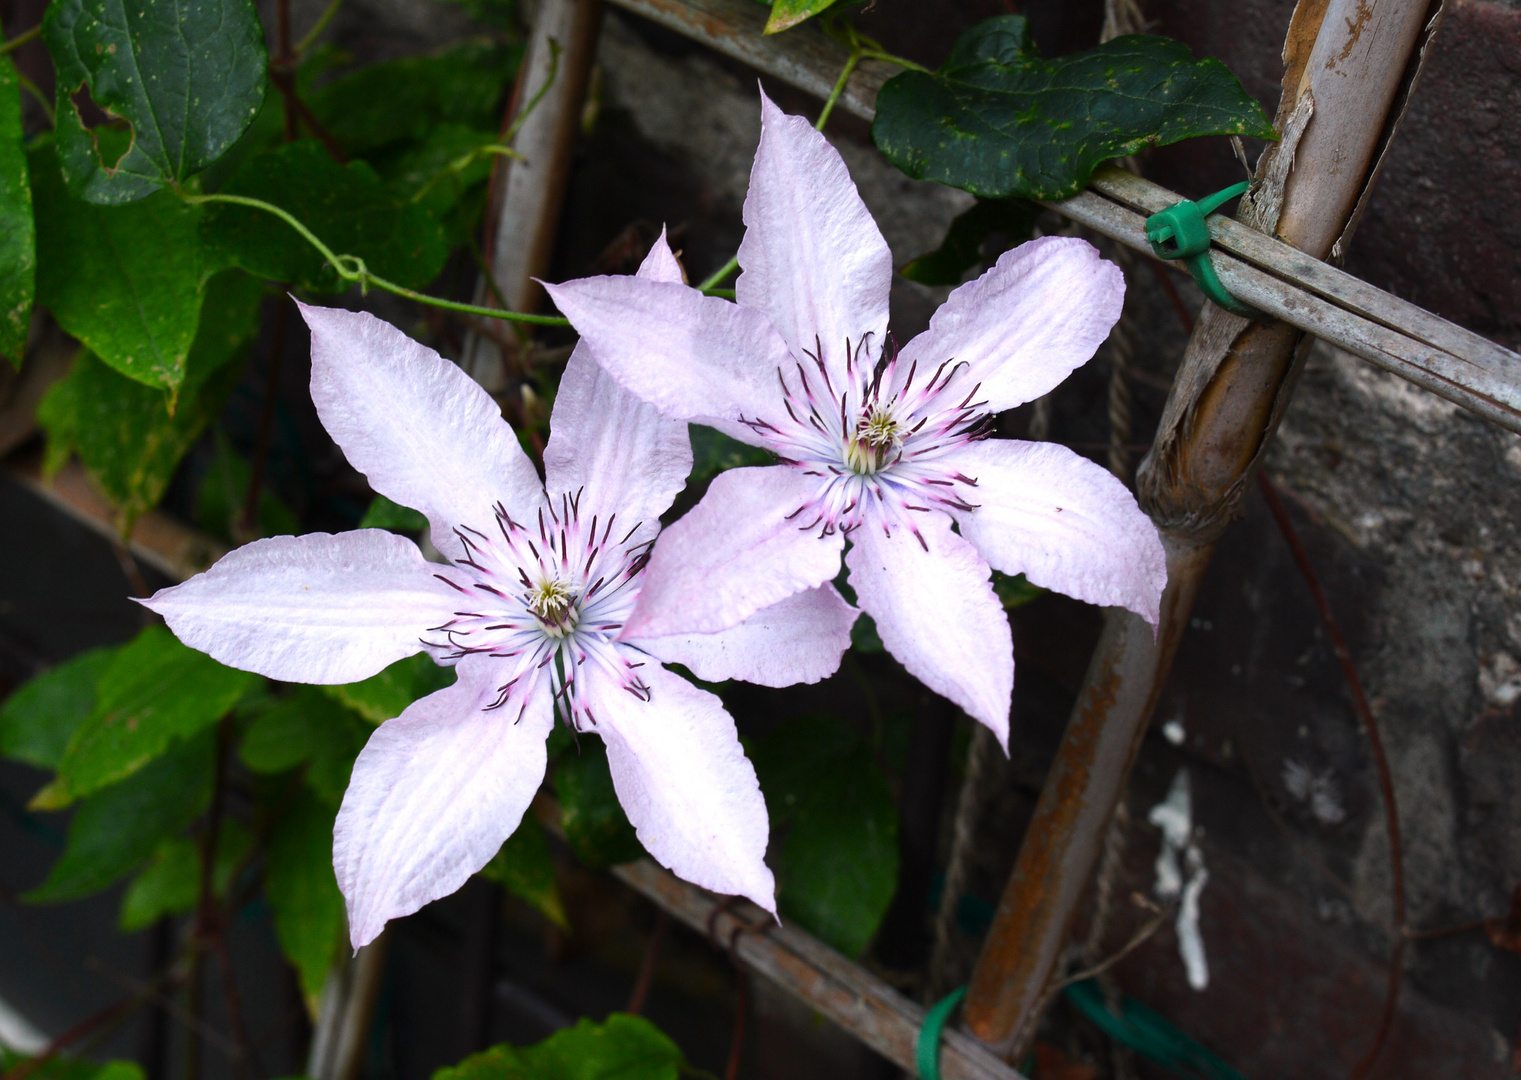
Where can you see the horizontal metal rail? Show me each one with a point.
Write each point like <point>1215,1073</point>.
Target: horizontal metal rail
<point>1275,278</point>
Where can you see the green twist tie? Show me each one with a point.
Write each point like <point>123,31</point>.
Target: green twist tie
<point>1181,232</point>
<point>927,1048</point>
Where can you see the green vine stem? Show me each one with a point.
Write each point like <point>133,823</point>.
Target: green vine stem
<point>19,40</point>
<point>311,36</point>
<point>351,268</point>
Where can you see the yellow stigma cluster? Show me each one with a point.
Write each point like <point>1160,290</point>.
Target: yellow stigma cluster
<point>875,442</point>
<point>552,602</point>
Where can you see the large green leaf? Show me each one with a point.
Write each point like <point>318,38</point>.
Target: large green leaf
<point>125,280</point>
<point>39,719</point>
<point>18,235</point>
<point>116,830</point>
<point>385,514</point>
<point>347,207</point>
<point>382,696</point>
<point>63,1067</point>
<point>525,868</point>
<point>124,433</point>
<point>1012,219</point>
<point>224,490</point>
<point>155,692</point>
<point>187,77</point>
<point>307,728</point>
<point>623,1048</point>
<point>171,883</point>
<point>786,14</point>
<point>838,860</point>
<point>303,890</point>
<point>596,828</point>
<point>998,120</point>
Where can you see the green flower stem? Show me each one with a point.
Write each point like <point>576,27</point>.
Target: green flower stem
<point>839,87</point>
<point>718,275</point>
<point>41,98</point>
<point>19,40</point>
<point>352,269</point>
<point>311,36</point>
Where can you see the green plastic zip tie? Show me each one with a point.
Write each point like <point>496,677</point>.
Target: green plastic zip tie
<point>927,1047</point>
<point>1181,232</point>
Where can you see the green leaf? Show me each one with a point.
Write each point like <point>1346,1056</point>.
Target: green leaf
<point>623,1048</point>
<point>525,868</point>
<point>1014,592</point>
<point>219,504</point>
<point>67,1068</point>
<point>125,435</point>
<point>171,883</point>
<point>18,234</point>
<point>837,866</point>
<point>187,77</point>
<point>596,827</point>
<point>125,280</point>
<point>998,120</point>
<point>307,728</point>
<point>347,207</point>
<point>303,891</point>
<point>406,100</point>
<point>116,830</point>
<point>786,14</point>
<point>37,721</point>
<point>155,692</point>
<point>387,694</point>
<point>384,514</point>
<point>1014,219</point>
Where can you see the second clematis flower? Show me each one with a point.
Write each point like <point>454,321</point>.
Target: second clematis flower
<point>531,610</point>
<point>886,448</point>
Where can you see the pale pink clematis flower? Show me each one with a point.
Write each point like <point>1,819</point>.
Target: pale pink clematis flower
<point>529,612</point>
<point>884,447</point>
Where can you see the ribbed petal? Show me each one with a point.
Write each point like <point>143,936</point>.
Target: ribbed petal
<point>937,614</point>
<point>741,549</point>
<point>434,794</point>
<point>1021,328</point>
<point>814,260</point>
<point>693,357</point>
<point>1063,522</point>
<point>618,450</point>
<point>424,434</point>
<point>685,782</point>
<point>799,640</point>
<point>313,609</point>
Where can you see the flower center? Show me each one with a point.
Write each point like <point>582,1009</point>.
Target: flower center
<point>875,443</point>
<point>554,604</point>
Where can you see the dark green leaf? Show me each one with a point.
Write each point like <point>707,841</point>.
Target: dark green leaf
<point>18,235</point>
<point>406,100</point>
<point>525,868</point>
<point>998,120</point>
<point>67,1068</point>
<point>623,1048</point>
<point>303,891</point>
<point>1012,219</point>
<point>596,827</point>
<point>188,78</point>
<point>219,504</point>
<point>155,692</point>
<point>347,207</point>
<point>171,883</point>
<point>1014,591</point>
<point>382,696</point>
<point>116,830</point>
<point>124,280</point>
<point>838,864</point>
<point>307,728</point>
<point>384,514</point>
<point>123,431</point>
<point>37,721</point>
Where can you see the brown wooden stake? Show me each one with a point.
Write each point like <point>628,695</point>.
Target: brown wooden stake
<point>1345,61</point>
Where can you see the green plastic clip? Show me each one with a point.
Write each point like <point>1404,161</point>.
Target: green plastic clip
<point>927,1046</point>
<point>1181,232</point>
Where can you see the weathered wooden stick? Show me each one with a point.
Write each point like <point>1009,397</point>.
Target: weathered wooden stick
<point>1225,403</point>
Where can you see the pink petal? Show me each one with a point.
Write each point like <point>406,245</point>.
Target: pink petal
<point>814,260</point>
<point>693,357</point>
<point>660,264</point>
<point>685,782</point>
<point>1063,522</point>
<point>620,452</point>
<point>424,434</point>
<point>799,640</point>
<point>434,794</point>
<point>743,548</point>
<point>315,609</point>
<point>1021,328</point>
<point>937,614</point>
